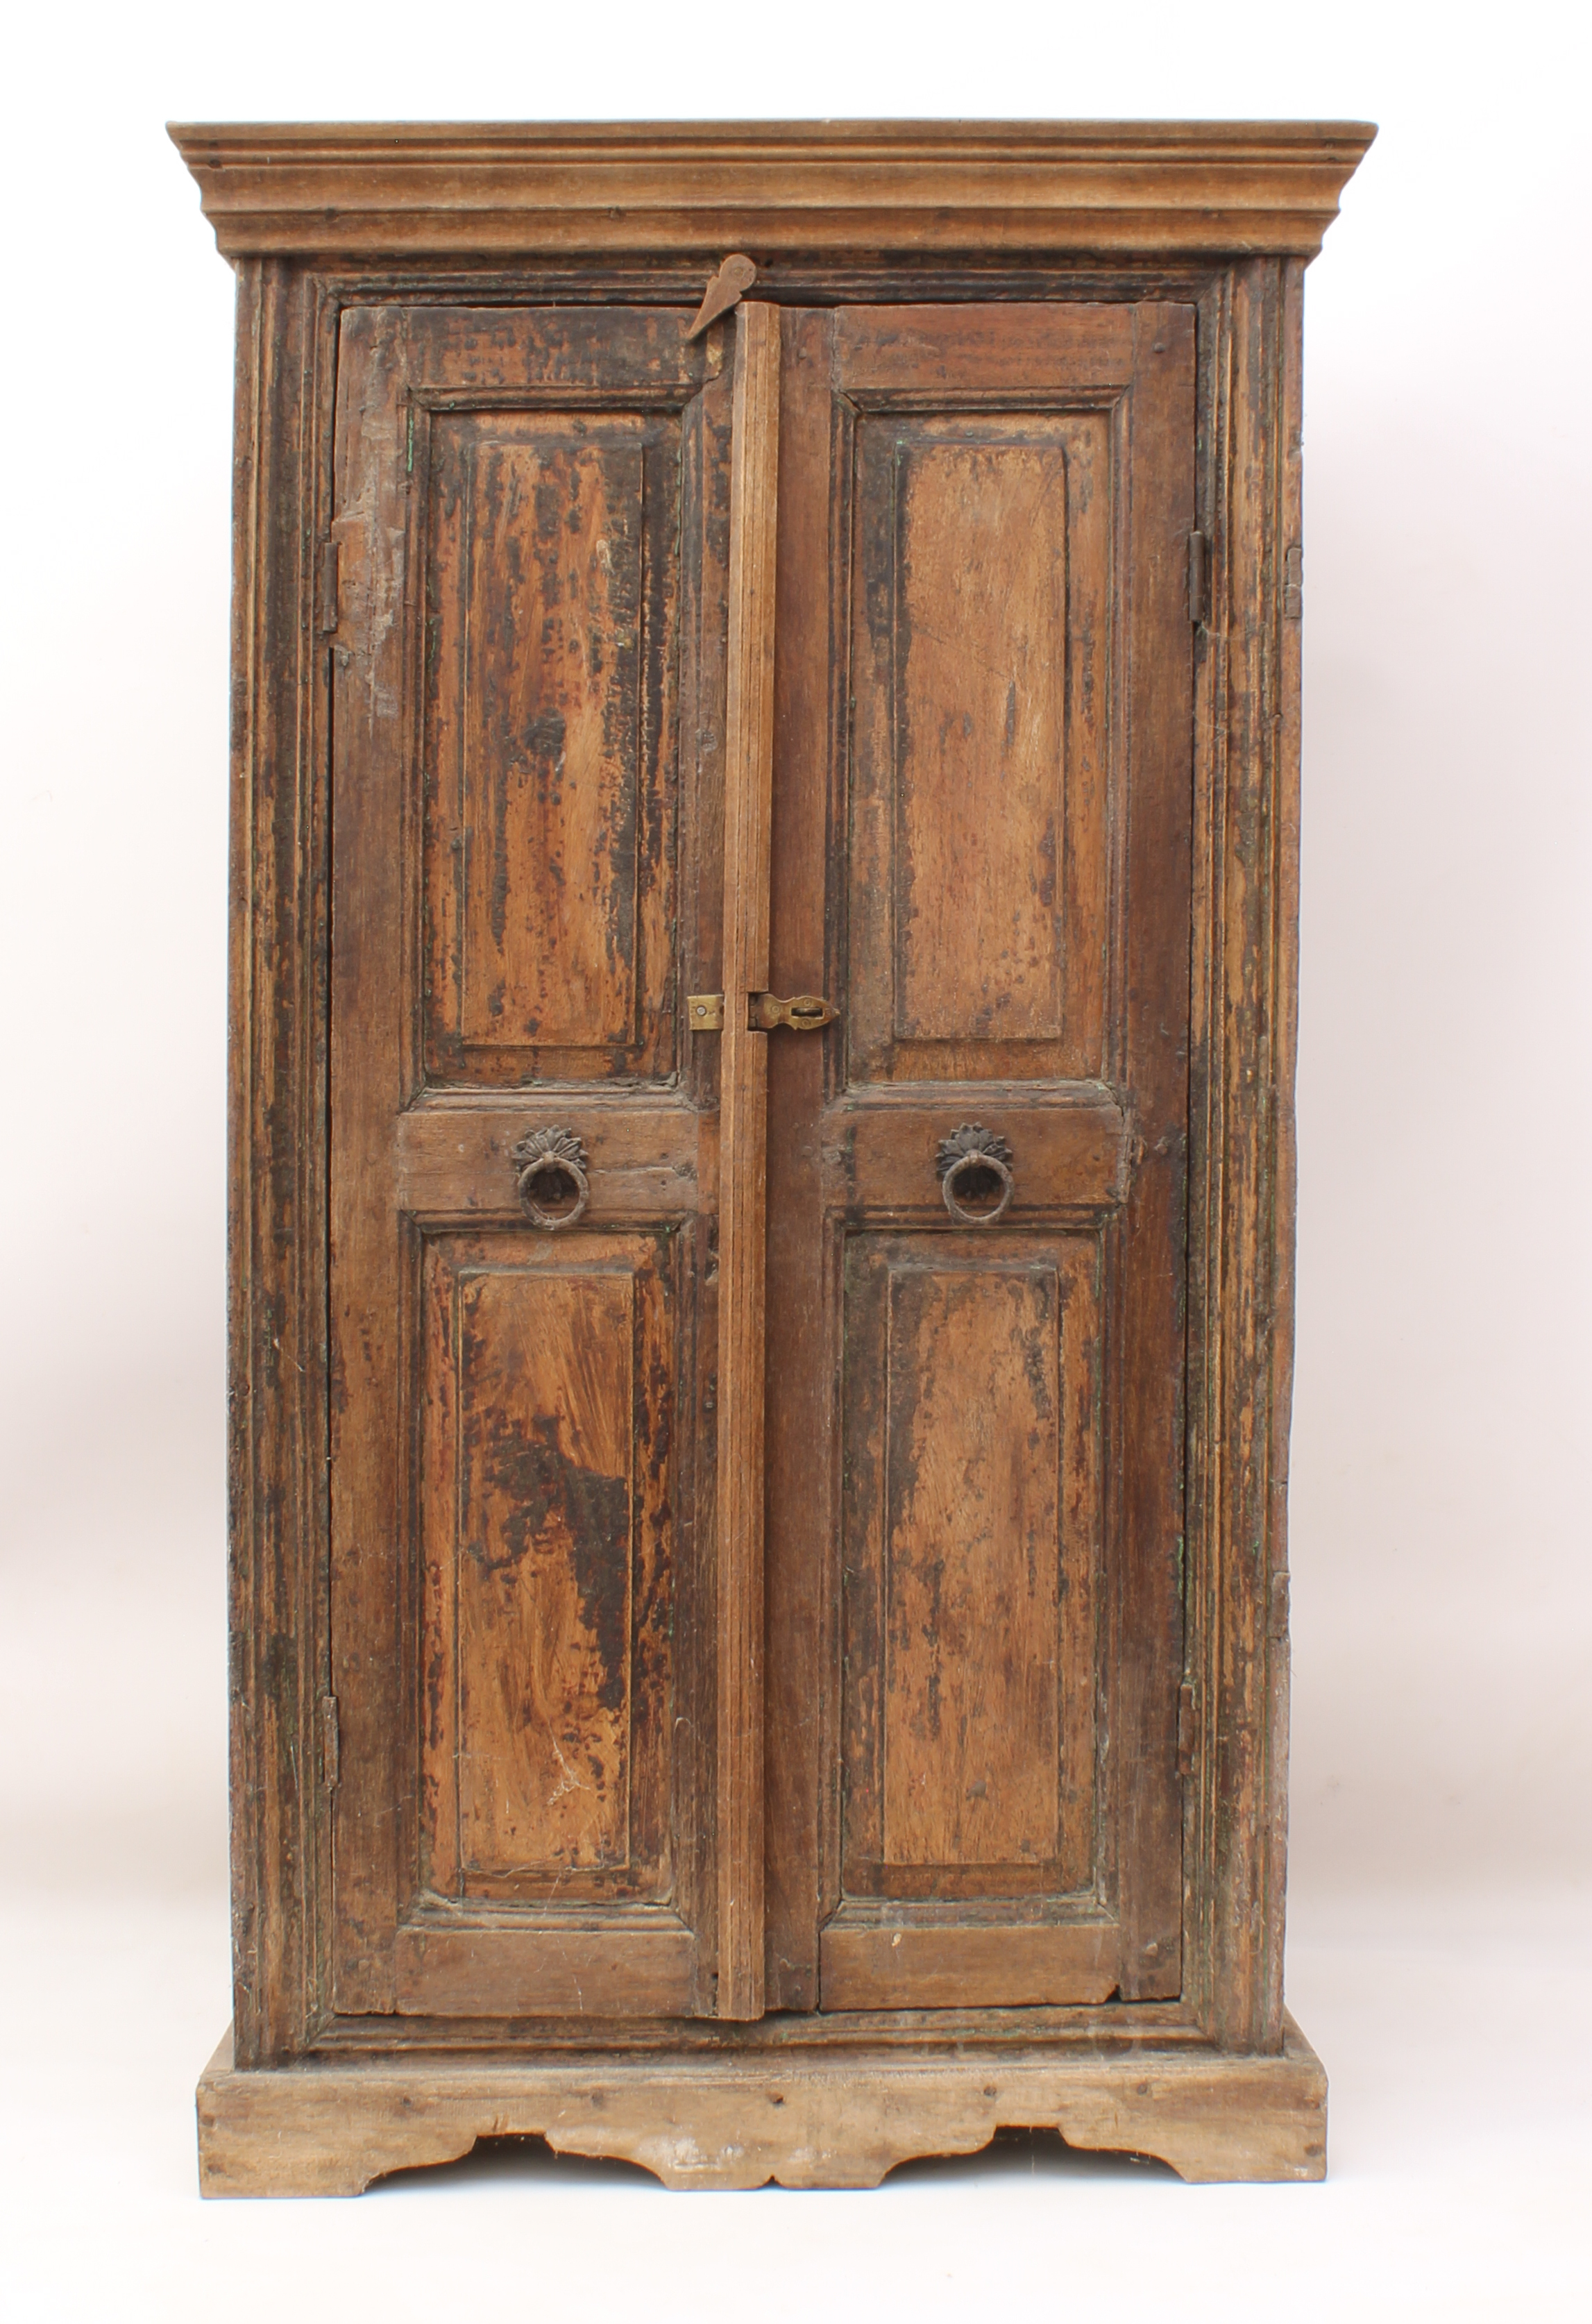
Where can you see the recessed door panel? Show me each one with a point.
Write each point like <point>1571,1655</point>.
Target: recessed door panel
<point>972,1554</point>
<point>545,1498</point>
<point>551,590</point>
<point>979,879</point>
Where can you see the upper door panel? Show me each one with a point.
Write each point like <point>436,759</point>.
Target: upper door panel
<point>551,588</point>
<point>544,455</point>
<point>986,455</point>
<point>982,611</point>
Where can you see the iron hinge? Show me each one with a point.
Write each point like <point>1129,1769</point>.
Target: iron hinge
<point>328,587</point>
<point>331,1742</point>
<point>1185,1727</point>
<point>1279,1608</point>
<point>1294,583</point>
<point>1198,576</point>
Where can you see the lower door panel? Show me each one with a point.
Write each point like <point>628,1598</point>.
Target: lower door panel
<point>973,1461</point>
<point>545,1494</point>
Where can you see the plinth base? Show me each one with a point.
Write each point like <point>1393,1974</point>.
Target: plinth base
<point>821,2117</point>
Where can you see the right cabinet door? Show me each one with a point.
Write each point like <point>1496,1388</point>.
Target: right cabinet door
<point>977,1178</point>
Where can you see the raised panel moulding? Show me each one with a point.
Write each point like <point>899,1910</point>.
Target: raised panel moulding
<point>339,188</point>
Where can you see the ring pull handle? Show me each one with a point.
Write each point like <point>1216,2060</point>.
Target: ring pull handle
<point>975,1173</point>
<point>550,1177</point>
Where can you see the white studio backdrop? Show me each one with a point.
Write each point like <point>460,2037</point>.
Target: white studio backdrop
<point>1442,1582</point>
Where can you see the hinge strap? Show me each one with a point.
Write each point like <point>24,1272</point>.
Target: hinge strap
<point>328,587</point>
<point>1198,576</point>
<point>1185,1727</point>
<point>331,1742</point>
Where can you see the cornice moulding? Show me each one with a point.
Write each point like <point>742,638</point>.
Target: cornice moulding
<point>511,189</point>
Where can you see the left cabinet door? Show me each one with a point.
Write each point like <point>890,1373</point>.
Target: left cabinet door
<point>528,682</point>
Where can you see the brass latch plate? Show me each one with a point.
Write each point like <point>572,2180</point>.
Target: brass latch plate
<point>807,1014</point>
<point>766,1012</point>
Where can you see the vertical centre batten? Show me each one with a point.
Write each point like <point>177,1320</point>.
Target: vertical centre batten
<point>749,769</point>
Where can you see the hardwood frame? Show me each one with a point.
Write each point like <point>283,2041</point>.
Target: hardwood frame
<point>1222,217</point>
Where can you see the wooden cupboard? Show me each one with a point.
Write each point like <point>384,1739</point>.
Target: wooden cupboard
<point>765,805</point>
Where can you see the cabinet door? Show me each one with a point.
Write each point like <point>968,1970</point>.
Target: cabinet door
<point>981,851</point>
<point>528,672</point>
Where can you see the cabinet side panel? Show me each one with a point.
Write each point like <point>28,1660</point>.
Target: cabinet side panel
<point>1242,1277</point>
<point>1285,1206</point>
<point>276,1229</point>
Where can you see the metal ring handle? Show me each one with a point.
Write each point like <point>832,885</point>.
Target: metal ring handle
<point>971,1149</point>
<point>552,1166</point>
<point>550,1154</point>
<point>968,1163</point>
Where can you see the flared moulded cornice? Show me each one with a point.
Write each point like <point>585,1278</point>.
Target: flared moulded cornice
<point>510,189</point>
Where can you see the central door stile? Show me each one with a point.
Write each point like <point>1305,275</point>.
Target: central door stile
<point>749,762</point>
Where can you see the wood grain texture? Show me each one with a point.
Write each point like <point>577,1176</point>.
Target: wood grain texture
<point>901,1963</point>
<point>769,186</point>
<point>749,774</point>
<point>561,1966</point>
<point>740,2119</point>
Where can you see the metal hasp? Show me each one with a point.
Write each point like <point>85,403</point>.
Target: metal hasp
<point>809,1012</point>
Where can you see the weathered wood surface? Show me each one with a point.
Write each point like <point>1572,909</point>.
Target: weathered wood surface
<point>1241,1073</point>
<point>277,1192</point>
<point>740,2119</point>
<point>547,1426</point>
<point>769,186</point>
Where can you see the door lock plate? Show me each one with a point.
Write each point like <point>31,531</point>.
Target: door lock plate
<point>809,1012</point>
